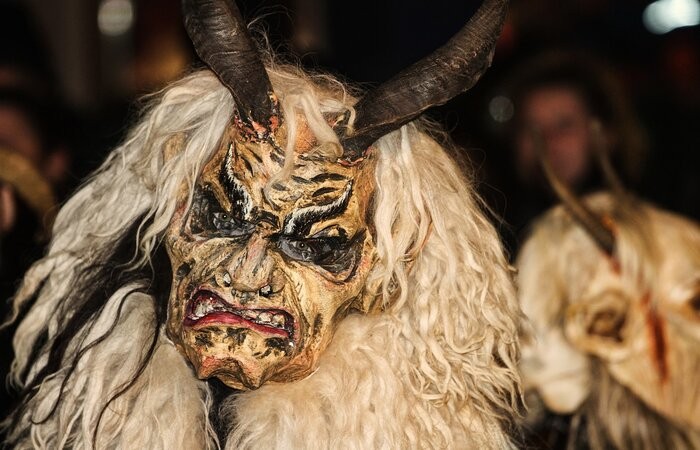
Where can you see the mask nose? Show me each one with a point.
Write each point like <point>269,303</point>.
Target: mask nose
<point>249,271</point>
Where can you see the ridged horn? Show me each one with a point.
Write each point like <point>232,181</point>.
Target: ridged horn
<point>594,226</point>
<point>601,151</point>
<point>450,70</point>
<point>221,40</point>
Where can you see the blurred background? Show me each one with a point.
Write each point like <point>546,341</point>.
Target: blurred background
<point>94,58</point>
<point>77,69</point>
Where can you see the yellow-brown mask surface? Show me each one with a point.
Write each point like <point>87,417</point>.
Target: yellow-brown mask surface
<point>263,272</point>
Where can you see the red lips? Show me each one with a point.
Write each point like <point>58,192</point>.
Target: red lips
<point>207,308</point>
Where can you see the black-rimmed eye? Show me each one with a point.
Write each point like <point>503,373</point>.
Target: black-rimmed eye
<point>310,250</point>
<point>210,219</point>
<point>334,254</point>
<point>224,224</point>
<point>223,221</point>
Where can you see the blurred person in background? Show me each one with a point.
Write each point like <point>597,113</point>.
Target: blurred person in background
<point>558,96</point>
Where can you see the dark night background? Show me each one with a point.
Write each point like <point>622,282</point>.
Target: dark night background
<point>99,76</point>
<point>96,79</point>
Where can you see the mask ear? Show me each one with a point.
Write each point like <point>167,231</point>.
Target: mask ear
<point>600,325</point>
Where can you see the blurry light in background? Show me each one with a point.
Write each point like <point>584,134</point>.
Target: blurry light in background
<point>115,17</point>
<point>501,109</point>
<point>663,16</point>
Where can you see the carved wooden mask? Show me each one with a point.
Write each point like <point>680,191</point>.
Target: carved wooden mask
<point>262,277</point>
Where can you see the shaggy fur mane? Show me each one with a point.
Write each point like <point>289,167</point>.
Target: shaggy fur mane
<point>612,417</point>
<point>435,369</point>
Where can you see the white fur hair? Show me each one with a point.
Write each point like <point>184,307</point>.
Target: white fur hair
<point>435,369</point>
<point>558,264</point>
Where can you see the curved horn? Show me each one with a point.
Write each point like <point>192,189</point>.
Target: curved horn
<point>434,80</point>
<point>590,222</point>
<point>601,151</point>
<point>221,39</point>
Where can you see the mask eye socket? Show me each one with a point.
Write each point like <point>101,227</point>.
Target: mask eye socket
<point>210,219</point>
<point>308,250</point>
<point>332,253</point>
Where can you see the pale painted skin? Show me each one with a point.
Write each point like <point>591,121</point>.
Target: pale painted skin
<point>259,253</point>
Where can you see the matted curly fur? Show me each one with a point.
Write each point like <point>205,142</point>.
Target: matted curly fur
<point>435,369</point>
<point>560,267</point>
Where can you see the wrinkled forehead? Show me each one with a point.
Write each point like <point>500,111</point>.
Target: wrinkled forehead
<point>241,173</point>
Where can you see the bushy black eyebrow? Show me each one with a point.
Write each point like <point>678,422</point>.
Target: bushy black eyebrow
<point>299,222</point>
<point>328,176</point>
<point>323,190</point>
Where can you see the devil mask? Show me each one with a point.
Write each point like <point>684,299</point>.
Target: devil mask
<point>264,268</point>
<point>263,274</point>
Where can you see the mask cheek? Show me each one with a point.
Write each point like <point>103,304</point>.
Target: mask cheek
<point>182,268</point>
<point>176,312</point>
<point>323,303</point>
<point>181,290</point>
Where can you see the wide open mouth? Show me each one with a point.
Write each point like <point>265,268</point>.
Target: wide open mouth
<point>207,308</point>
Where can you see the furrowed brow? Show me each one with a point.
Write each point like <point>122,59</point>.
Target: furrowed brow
<point>239,197</point>
<point>299,222</point>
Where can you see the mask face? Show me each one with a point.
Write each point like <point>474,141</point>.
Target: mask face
<point>262,275</point>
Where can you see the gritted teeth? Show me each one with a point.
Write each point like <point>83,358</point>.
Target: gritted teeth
<point>205,303</point>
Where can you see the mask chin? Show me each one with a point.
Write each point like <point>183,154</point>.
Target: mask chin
<point>252,361</point>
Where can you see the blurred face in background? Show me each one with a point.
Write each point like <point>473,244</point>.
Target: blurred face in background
<point>562,118</point>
